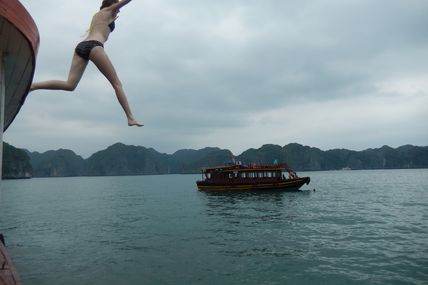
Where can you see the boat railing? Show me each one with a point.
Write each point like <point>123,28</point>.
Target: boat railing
<point>217,172</point>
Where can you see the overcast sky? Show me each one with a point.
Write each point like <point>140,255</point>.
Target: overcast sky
<point>235,74</point>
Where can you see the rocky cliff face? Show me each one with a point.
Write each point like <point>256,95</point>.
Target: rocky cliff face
<point>58,163</point>
<point>305,158</point>
<point>120,159</point>
<point>16,163</point>
<point>191,161</point>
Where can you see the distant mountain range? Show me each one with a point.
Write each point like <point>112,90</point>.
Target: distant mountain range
<point>120,159</point>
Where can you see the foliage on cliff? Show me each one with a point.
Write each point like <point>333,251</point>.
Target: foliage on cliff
<point>16,163</point>
<point>120,159</point>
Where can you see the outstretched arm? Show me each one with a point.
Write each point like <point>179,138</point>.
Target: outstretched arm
<point>118,5</point>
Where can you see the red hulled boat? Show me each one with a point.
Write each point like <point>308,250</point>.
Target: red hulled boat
<point>238,177</point>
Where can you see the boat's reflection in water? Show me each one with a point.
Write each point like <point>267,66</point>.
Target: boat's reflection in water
<point>255,195</point>
<point>254,206</point>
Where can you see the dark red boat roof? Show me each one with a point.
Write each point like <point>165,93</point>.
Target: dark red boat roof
<point>19,43</point>
<point>16,14</point>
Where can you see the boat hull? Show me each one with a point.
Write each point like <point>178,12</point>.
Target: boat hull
<point>283,185</point>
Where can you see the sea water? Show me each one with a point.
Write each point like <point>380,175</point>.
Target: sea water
<point>357,227</point>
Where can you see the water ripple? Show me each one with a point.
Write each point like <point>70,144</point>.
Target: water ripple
<point>359,227</point>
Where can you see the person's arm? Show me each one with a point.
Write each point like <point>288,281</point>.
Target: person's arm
<point>118,5</point>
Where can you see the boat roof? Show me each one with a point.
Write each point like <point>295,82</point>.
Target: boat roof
<point>245,168</point>
<point>19,43</point>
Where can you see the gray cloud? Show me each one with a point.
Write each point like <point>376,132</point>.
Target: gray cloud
<point>212,72</point>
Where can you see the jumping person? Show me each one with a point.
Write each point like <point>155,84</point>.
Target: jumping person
<point>92,48</point>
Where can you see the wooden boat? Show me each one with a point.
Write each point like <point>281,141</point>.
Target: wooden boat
<point>238,177</point>
<point>19,42</point>
<point>8,273</point>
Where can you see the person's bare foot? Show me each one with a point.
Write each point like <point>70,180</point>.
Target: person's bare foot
<point>132,122</point>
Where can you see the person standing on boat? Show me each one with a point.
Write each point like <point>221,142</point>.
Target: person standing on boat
<point>92,49</point>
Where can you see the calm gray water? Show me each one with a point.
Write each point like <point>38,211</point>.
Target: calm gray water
<point>358,227</point>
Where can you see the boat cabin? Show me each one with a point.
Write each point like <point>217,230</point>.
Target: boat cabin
<point>241,172</point>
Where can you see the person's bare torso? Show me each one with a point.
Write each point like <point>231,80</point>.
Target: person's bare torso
<point>99,29</point>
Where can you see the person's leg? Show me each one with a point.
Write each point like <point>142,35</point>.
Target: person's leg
<point>77,68</point>
<point>99,57</point>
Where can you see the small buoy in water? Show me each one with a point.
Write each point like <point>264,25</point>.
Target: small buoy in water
<point>314,189</point>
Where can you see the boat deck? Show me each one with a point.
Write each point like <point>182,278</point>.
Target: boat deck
<point>8,274</point>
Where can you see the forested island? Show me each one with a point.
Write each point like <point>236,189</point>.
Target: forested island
<point>16,163</point>
<point>121,159</point>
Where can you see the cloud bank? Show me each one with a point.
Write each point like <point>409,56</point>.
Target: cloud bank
<point>236,74</point>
